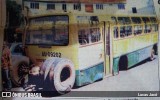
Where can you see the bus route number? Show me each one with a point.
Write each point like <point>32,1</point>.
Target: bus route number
<point>51,54</point>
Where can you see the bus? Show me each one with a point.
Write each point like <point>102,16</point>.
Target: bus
<point>80,48</point>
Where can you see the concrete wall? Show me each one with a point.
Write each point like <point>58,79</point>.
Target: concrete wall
<point>2,26</point>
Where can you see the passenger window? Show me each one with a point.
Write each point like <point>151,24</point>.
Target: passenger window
<point>147,28</point>
<point>87,36</point>
<point>128,30</point>
<point>125,31</point>
<point>115,31</point>
<point>137,29</point>
<point>95,34</point>
<point>82,35</point>
<point>154,28</point>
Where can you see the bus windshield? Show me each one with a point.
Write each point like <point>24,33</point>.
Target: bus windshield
<point>56,33</point>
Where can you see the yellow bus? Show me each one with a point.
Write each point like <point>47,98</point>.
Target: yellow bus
<point>135,39</point>
<point>74,48</point>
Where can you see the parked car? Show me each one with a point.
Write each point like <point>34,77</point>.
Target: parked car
<point>20,64</point>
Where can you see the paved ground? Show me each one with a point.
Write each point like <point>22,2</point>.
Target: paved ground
<point>143,77</point>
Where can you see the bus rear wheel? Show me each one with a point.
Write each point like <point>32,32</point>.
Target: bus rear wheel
<point>123,63</point>
<point>64,76</point>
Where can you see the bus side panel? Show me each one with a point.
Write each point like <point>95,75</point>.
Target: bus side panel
<point>115,65</point>
<point>138,56</point>
<point>133,58</point>
<point>91,64</point>
<point>128,45</point>
<point>89,75</point>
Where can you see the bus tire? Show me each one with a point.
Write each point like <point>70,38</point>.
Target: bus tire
<point>64,76</point>
<point>123,63</point>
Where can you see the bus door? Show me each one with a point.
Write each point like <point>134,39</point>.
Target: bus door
<point>107,49</point>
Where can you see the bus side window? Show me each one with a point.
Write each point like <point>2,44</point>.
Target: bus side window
<point>95,34</point>
<point>115,31</point>
<point>86,36</point>
<point>147,28</point>
<point>82,37</point>
<point>125,31</point>
<point>137,29</point>
<point>128,30</point>
<point>122,31</point>
<point>154,27</point>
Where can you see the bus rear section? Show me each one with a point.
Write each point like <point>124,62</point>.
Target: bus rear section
<point>135,39</point>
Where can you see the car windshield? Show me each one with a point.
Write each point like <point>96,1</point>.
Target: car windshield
<point>57,34</point>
